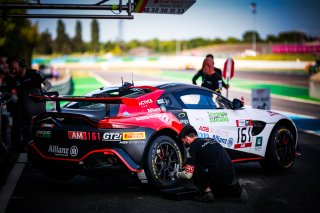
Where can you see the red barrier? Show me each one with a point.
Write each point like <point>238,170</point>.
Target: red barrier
<point>296,48</point>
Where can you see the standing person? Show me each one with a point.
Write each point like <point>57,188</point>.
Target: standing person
<point>201,73</point>
<point>213,76</point>
<point>27,81</point>
<point>7,97</point>
<point>207,163</point>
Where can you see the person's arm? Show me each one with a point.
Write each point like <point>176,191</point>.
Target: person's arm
<point>226,86</point>
<point>46,85</point>
<point>187,173</point>
<point>44,81</point>
<point>196,76</point>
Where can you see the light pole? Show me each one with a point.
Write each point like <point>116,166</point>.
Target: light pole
<point>254,11</point>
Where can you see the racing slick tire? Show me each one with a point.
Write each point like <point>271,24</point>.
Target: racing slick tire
<point>163,156</point>
<point>280,153</point>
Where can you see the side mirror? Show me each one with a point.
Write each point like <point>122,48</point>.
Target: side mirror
<point>237,104</point>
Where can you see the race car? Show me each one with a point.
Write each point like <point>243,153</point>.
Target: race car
<point>135,126</point>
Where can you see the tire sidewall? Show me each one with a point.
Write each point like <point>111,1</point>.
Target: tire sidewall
<point>272,157</point>
<point>150,167</point>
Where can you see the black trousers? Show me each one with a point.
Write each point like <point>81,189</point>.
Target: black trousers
<point>204,178</point>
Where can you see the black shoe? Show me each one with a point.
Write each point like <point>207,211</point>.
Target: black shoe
<point>205,197</point>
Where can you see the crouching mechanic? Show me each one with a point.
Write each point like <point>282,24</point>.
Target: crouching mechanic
<point>207,163</point>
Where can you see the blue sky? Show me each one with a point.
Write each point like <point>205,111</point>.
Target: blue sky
<point>206,18</point>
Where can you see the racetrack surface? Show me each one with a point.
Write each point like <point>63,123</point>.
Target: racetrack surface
<point>294,191</point>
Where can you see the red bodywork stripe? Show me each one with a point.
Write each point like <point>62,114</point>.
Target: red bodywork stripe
<point>246,159</point>
<point>105,151</point>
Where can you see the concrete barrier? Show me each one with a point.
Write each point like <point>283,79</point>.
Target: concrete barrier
<point>314,86</point>
<point>64,84</point>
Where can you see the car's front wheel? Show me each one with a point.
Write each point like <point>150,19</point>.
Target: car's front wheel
<point>163,156</point>
<point>280,153</point>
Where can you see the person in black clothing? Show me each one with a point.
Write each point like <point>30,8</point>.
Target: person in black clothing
<point>212,76</point>
<point>27,81</point>
<point>207,163</point>
<point>201,73</point>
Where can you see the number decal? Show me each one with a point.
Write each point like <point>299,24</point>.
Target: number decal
<point>244,134</point>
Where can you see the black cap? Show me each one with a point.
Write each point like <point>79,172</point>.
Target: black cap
<point>186,130</point>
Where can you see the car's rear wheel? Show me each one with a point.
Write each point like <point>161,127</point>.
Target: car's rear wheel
<point>280,153</point>
<point>163,156</point>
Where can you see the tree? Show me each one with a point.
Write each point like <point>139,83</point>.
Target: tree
<point>232,40</point>
<point>247,36</point>
<point>94,36</point>
<point>293,37</point>
<point>45,43</point>
<point>62,42</point>
<point>78,45</point>
<point>272,38</point>
<point>18,37</point>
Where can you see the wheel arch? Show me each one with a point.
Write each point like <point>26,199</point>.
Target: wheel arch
<point>164,132</point>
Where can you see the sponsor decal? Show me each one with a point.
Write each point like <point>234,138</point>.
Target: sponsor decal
<point>150,110</point>
<point>182,115</point>
<point>77,135</point>
<point>162,117</point>
<point>47,125</point>
<point>259,141</point>
<point>160,101</point>
<point>244,123</point>
<point>111,136</point>
<point>271,113</point>
<point>184,121</point>
<point>58,151</point>
<point>244,134</point>
<point>203,134</point>
<point>230,142</point>
<point>132,142</point>
<point>74,151</point>
<point>144,103</point>
<point>204,128</point>
<point>218,117</point>
<point>219,139</point>
<point>63,151</point>
<point>242,145</point>
<point>133,136</point>
<point>43,134</point>
<point>189,168</point>
<point>183,118</point>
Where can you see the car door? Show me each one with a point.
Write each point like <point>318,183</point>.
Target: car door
<point>213,117</point>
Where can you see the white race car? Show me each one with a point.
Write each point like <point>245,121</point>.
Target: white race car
<point>135,127</point>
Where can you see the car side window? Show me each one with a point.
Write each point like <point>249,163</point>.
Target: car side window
<point>196,99</point>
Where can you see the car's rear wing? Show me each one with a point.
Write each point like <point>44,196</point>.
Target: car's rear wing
<point>54,96</point>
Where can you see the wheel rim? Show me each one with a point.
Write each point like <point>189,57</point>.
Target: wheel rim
<point>285,147</point>
<point>166,160</point>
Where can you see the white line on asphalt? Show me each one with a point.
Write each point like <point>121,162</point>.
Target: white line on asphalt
<point>7,189</point>
<point>100,79</point>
